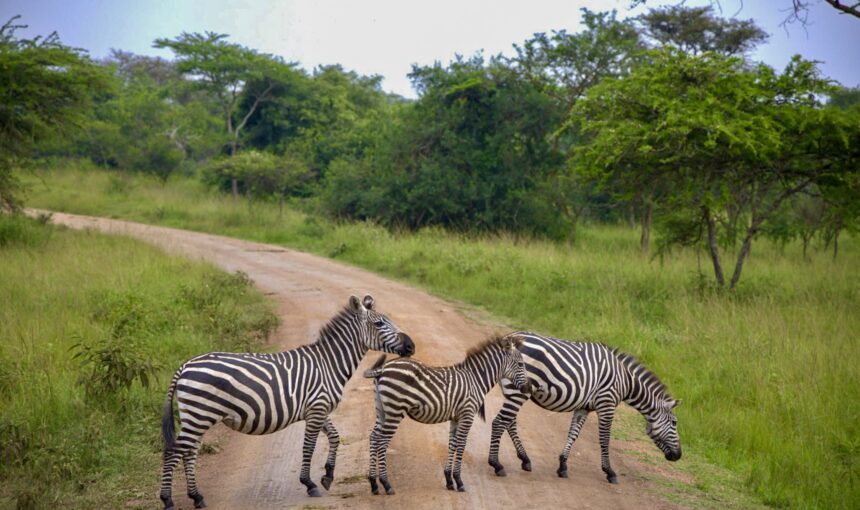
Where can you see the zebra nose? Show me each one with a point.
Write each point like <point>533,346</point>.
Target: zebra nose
<point>673,455</point>
<point>408,346</point>
<point>526,388</point>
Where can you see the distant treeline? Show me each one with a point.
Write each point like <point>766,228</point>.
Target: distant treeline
<point>659,120</point>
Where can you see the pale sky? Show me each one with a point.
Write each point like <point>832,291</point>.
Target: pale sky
<point>386,37</point>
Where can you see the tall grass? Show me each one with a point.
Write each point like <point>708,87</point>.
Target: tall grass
<point>768,373</point>
<point>91,329</point>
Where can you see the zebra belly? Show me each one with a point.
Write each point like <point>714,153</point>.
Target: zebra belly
<point>250,395</point>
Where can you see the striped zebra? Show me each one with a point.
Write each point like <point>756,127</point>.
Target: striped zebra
<point>584,377</point>
<point>263,393</point>
<point>406,386</point>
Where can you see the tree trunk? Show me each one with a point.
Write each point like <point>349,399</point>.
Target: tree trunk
<point>805,246</point>
<point>645,237</point>
<point>234,183</point>
<point>712,246</point>
<point>631,216</point>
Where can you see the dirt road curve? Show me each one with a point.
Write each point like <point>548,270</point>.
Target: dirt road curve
<point>261,472</point>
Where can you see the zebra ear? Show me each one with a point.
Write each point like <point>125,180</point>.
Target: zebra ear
<point>674,404</point>
<point>355,304</point>
<point>368,302</point>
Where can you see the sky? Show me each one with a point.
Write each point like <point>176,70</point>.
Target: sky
<point>386,37</point>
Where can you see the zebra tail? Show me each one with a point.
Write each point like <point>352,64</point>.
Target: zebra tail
<point>376,370</point>
<point>482,413</point>
<point>168,427</point>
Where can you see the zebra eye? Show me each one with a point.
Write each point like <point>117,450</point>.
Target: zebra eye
<point>379,324</point>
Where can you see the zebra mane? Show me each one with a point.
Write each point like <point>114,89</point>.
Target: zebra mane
<point>486,344</point>
<point>329,327</point>
<point>636,367</point>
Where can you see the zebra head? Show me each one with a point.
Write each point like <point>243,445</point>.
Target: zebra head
<point>661,425</point>
<point>381,334</point>
<point>515,369</point>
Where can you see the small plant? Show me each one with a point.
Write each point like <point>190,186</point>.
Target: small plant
<point>110,368</point>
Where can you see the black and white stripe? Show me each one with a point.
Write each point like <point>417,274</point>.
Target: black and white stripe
<point>407,387</point>
<point>583,377</point>
<point>263,393</point>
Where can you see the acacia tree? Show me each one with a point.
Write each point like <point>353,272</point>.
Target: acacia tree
<point>717,135</point>
<point>224,69</point>
<point>46,89</point>
<point>695,30</point>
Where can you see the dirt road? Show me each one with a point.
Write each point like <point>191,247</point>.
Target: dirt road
<point>261,472</point>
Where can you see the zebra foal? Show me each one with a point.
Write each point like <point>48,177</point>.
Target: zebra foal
<point>407,387</point>
<point>584,377</point>
<point>263,393</point>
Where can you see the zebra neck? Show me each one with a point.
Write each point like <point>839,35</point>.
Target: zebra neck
<point>485,367</point>
<point>640,395</point>
<point>340,353</point>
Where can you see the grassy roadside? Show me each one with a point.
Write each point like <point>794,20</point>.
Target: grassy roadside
<point>83,432</point>
<point>768,373</point>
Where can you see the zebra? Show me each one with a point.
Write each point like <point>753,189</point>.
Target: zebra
<point>263,393</point>
<point>435,395</point>
<point>584,377</point>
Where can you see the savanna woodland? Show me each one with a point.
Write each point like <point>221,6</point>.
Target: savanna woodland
<point>640,181</point>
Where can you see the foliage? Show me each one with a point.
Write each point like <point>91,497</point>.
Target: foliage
<point>46,88</point>
<point>84,432</point>
<point>697,30</point>
<point>260,174</point>
<point>763,370</point>
<point>714,139</point>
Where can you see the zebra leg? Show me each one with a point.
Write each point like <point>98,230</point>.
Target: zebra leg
<point>605,416</point>
<point>518,445</point>
<point>186,444</point>
<point>452,451</point>
<point>386,434</point>
<point>333,443</point>
<point>170,460</point>
<point>576,423</point>
<point>462,435</point>
<point>313,425</point>
<point>508,414</point>
<point>190,460</point>
<point>375,436</point>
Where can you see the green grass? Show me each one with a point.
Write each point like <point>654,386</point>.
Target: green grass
<point>768,373</point>
<point>78,435</point>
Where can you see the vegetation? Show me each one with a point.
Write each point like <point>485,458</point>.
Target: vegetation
<point>505,184</point>
<point>767,372</point>
<point>89,346</point>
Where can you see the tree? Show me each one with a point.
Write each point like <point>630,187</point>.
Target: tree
<point>224,69</point>
<point>719,136</point>
<point>565,65</point>
<point>46,89</point>
<point>695,30</point>
<point>261,174</point>
<point>798,9</point>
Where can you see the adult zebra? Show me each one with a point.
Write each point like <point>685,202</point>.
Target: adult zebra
<point>435,395</point>
<point>263,393</point>
<point>584,377</point>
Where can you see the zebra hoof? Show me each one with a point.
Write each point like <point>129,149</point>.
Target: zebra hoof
<point>612,479</point>
<point>527,465</point>
<point>390,491</point>
<point>501,472</point>
<point>461,488</point>
<point>326,482</point>
<point>562,474</point>
<point>314,493</point>
<point>449,486</point>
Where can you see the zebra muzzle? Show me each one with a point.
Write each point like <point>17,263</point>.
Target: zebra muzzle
<point>408,346</point>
